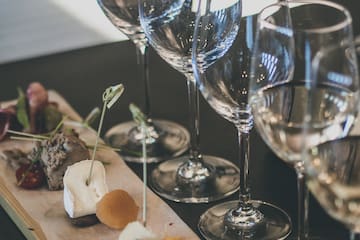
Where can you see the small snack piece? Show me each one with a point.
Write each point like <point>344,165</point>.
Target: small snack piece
<point>57,153</point>
<point>80,198</point>
<point>37,97</point>
<point>15,158</point>
<point>84,221</point>
<point>135,230</point>
<point>32,112</point>
<point>116,209</point>
<point>30,175</point>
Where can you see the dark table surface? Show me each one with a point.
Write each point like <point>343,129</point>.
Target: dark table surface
<point>82,75</point>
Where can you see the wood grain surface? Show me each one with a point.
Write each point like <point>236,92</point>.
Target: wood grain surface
<point>40,213</point>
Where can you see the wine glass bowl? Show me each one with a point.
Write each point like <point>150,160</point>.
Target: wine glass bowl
<point>176,24</point>
<point>332,165</point>
<point>169,28</point>
<point>283,91</point>
<point>166,139</point>
<point>124,14</point>
<point>282,78</point>
<point>333,171</point>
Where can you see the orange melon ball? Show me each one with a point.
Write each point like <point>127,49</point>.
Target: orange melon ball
<point>116,209</point>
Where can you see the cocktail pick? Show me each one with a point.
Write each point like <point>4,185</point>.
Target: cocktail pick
<point>141,119</point>
<point>110,96</point>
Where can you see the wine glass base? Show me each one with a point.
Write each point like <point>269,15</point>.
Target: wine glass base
<point>308,238</point>
<point>223,182</point>
<point>173,140</point>
<point>276,224</point>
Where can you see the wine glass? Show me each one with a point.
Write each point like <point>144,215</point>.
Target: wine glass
<point>167,139</point>
<point>333,166</point>
<point>288,37</point>
<point>221,66</point>
<point>169,27</point>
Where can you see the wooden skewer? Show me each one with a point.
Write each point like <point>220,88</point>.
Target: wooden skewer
<point>110,96</point>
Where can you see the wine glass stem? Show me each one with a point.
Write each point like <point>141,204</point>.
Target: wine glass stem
<point>303,205</point>
<point>143,66</point>
<point>194,119</point>
<point>354,236</point>
<point>244,191</point>
<point>245,217</point>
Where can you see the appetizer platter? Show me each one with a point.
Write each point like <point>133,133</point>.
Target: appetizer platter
<point>39,210</point>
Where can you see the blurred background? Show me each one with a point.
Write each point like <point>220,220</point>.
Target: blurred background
<point>32,28</point>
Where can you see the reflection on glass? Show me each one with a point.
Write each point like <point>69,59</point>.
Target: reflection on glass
<point>169,26</point>
<point>166,139</point>
<point>282,88</point>
<point>224,81</point>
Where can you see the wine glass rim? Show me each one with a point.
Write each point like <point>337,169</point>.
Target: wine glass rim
<point>346,22</point>
<point>341,140</point>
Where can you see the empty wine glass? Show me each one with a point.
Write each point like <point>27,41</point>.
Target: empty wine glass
<point>289,35</point>
<point>167,139</point>
<point>169,26</point>
<point>221,66</point>
<point>333,167</point>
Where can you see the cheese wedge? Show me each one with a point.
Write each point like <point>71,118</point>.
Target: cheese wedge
<point>79,198</point>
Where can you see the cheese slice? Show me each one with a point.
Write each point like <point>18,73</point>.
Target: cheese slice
<point>79,198</point>
<point>135,230</point>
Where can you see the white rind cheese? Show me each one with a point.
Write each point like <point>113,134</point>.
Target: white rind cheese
<point>80,199</point>
<point>135,230</point>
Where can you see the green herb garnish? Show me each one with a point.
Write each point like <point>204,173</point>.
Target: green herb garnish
<point>141,119</point>
<point>21,110</point>
<point>91,117</point>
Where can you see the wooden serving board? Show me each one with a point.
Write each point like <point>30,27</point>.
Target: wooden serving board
<point>40,214</point>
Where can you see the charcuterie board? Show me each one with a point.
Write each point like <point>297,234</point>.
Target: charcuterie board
<point>40,214</point>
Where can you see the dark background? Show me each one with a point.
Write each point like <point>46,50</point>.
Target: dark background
<point>82,75</point>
